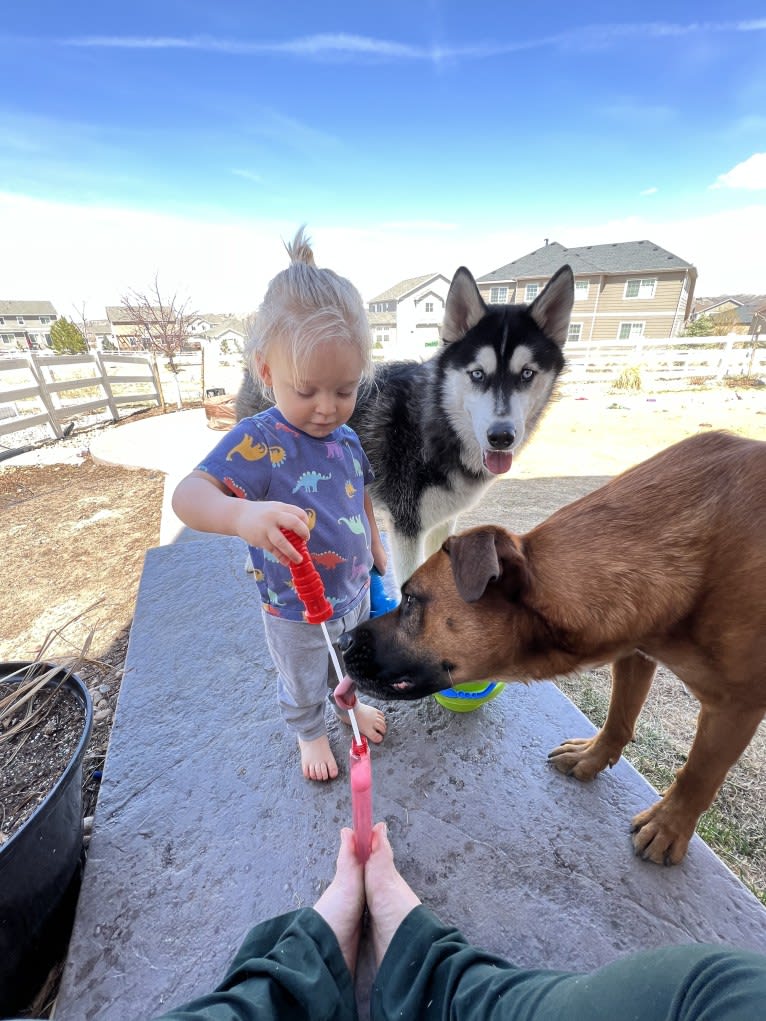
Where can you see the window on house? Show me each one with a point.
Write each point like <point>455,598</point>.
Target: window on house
<point>631,331</point>
<point>575,330</point>
<point>20,320</point>
<point>44,320</point>
<point>531,292</point>
<point>2,321</point>
<point>429,306</point>
<point>640,288</point>
<point>498,295</point>
<point>581,290</point>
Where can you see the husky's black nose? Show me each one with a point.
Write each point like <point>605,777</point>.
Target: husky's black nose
<point>500,436</point>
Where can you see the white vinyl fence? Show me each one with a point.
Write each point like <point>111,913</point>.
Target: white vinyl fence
<point>680,359</point>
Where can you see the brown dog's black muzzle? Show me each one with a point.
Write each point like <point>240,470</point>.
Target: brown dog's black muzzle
<point>384,667</point>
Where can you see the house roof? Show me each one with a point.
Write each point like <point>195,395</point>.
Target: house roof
<point>117,314</point>
<point>618,257</point>
<point>404,287</point>
<point>381,318</point>
<point>746,305</point>
<point>232,325</point>
<point>29,308</point>
<point>98,326</point>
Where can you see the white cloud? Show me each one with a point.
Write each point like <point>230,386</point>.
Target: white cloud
<point>346,46</point>
<point>649,191</point>
<point>749,175</point>
<point>67,253</point>
<point>248,175</point>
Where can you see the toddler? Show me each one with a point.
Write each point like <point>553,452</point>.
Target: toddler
<point>298,466</point>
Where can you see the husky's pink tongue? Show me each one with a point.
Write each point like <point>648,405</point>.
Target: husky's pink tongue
<point>344,693</point>
<point>497,461</point>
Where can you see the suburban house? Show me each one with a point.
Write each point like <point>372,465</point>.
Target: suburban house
<point>736,313</point>
<point>26,324</point>
<point>405,319</point>
<point>226,331</point>
<point>623,291</point>
<point>124,332</point>
<point>98,334</point>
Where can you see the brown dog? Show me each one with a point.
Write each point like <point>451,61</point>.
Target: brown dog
<point>665,563</point>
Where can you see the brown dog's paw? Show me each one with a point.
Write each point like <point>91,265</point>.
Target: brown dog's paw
<point>661,835</point>
<point>582,757</point>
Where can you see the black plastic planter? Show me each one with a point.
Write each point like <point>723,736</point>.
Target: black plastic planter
<point>40,869</point>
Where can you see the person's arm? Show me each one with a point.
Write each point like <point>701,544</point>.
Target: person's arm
<point>285,968</point>
<point>204,503</point>
<point>431,972</point>
<point>428,970</point>
<point>379,556</point>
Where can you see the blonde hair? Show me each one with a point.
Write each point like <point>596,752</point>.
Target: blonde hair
<point>304,307</point>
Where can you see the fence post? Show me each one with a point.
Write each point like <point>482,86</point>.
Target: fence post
<point>723,363</point>
<point>45,395</point>
<point>107,386</point>
<point>157,380</point>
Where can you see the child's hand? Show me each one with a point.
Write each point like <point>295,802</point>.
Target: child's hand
<point>260,524</point>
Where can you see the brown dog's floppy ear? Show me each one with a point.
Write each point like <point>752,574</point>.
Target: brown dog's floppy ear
<point>482,556</point>
<point>474,563</point>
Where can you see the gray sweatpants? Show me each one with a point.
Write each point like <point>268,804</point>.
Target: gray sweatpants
<point>305,674</point>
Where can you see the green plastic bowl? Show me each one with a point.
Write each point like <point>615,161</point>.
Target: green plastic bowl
<point>464,698</point>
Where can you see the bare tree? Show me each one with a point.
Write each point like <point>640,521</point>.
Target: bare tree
<point>82,324</point>
<point>162,324</point>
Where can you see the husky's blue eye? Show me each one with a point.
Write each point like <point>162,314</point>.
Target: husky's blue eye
<point>527,374</point>
<point>477,375</point>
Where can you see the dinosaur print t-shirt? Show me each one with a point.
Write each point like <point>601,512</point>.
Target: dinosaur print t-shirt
<point>266,458</point>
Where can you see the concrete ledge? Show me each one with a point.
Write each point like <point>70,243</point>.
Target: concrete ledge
<point>205,825</point>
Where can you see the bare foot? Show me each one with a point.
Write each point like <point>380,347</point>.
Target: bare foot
<point>342,903</point>
<point>317,759</point>
<point>371,721</point>
<point>389,897</point>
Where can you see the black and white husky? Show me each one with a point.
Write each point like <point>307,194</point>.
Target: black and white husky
<point>439,432</point>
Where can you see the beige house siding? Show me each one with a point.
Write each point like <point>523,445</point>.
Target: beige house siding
<point>602,275</point>
<point>605,307</point>
<point>608,328</point>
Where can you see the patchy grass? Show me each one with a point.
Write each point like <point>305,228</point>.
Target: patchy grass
<point>733,825</point>
<point>629,379</point>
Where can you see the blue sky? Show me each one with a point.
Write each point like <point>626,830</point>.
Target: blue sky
<point>189,138</point>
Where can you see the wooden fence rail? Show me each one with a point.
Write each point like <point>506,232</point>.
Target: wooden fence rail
<point>41,389</point>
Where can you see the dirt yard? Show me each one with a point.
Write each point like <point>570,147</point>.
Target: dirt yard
<point>75,535</point>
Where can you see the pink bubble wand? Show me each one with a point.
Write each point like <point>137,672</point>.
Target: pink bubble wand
<point>310,589</point>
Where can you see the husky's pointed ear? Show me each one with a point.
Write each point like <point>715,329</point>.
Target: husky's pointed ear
<point>552,307</point>
<point>464,307</point>
<point>485,555</point>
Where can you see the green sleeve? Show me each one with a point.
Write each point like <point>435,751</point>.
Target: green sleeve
<point>288,967</point>
<point>430,972</point>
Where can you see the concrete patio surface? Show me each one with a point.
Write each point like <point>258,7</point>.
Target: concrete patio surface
<point>205,824</point>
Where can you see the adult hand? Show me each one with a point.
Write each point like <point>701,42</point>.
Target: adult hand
<point>342,903</point>
<point>389,897</point>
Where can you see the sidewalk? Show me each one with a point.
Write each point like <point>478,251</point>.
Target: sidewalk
<point>172,443</point>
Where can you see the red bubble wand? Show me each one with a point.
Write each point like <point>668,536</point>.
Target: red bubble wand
<point>310,589</point>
